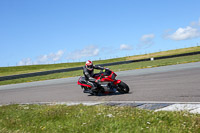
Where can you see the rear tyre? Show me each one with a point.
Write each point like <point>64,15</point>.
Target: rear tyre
<point>123,88</point>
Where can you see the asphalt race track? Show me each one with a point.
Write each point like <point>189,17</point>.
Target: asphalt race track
<point>176,83</point>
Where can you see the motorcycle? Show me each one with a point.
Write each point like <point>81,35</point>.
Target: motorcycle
<point>107,83</point>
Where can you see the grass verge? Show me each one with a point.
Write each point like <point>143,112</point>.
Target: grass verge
<point>92,119</point>
<point>131,66</point>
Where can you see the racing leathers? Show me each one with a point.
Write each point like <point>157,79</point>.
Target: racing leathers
<point>89,76</point>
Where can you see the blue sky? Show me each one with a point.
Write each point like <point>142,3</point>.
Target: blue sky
<point>58,31</point>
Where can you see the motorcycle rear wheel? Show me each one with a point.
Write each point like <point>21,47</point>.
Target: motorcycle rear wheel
<point>123,88</point>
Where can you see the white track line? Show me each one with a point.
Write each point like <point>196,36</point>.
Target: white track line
<point>181,107</point>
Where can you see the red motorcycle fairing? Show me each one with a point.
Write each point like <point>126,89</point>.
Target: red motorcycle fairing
<point>116,82</point>
<point>83,84</point>
<point>108,77</point>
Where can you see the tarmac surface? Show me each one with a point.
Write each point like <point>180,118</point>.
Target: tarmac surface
<point>168,84</point>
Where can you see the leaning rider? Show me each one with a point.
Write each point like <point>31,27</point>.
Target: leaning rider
<point>88,71</point>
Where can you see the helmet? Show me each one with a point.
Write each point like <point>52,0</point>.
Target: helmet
<point>89,65</point>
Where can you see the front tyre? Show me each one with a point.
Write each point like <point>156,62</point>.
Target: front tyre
<point>123,88</point>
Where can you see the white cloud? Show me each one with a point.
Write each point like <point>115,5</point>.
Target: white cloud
<point>147,39</point>
<point>189,32</point>
<point>88,51</point>
<point>49,58</point>
<point>198,23</point>
<point>43,59</point>
<point>125,47</point>
<point>56,56</point>
<point>26,61</point>
<point>184,34</point>
<point>195,23</point>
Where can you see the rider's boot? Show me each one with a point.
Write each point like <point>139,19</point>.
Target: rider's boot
<point>93,91</point>
<point>86,91</point>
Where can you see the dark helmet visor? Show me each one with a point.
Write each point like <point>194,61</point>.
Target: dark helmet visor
<point>90,67</point>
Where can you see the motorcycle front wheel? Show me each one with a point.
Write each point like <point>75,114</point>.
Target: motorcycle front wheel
<point>123,88</point>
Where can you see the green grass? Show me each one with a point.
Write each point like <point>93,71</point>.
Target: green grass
<point>131,66</point>
<point>94,119</point>
<point>157,63</point>
<point>4,71</point>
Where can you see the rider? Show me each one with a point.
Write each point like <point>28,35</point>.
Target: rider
<point>88,71</point>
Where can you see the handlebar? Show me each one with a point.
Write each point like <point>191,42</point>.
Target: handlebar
<point>107,72</point>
